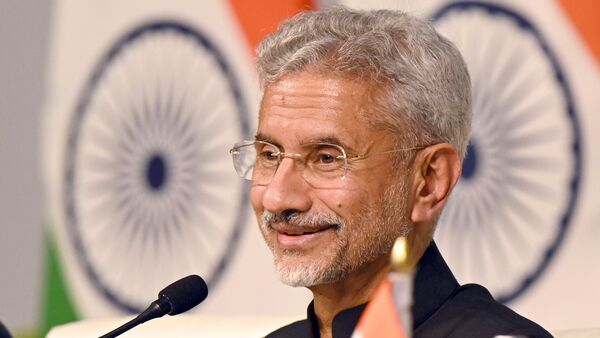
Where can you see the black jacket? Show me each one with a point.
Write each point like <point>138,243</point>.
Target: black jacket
<point>442,308</point>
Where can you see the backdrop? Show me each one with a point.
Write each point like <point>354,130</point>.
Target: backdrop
<point>144,98</point>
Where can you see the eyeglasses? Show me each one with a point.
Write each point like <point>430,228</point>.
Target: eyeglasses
<point>320,164</point>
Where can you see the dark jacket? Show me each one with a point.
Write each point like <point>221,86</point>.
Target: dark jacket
<point>442,308</point>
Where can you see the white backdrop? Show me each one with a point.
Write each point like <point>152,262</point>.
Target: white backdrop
<point>563,294</point>
<point>83,32</point>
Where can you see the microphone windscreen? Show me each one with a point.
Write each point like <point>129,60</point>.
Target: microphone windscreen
<point>185,293</point>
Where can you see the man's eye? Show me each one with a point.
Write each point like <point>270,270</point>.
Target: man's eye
<point>268,155</point>
<point>327,158</point>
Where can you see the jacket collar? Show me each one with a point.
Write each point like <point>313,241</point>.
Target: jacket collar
<point>434,283</point>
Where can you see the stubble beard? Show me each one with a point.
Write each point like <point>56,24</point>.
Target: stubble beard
<point>374,234</point>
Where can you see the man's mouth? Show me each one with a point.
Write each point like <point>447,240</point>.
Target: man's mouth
<point>300,232</point>
<point>297,236</point>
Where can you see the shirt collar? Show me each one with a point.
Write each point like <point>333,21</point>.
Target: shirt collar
<point>433,285</point>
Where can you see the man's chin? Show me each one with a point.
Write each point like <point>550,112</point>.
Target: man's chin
<point>299,278</point>
<point>297,273</point>
<point>295,280</point>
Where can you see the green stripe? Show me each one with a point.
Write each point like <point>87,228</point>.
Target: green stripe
<point>26,334</point>
<point>58,305</point>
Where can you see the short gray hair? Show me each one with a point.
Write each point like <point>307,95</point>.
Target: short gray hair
<point>422,86</point>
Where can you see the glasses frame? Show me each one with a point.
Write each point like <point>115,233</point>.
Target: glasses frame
<point>282,155</point>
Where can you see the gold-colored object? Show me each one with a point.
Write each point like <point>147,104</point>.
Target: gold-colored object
<point>399,257</point>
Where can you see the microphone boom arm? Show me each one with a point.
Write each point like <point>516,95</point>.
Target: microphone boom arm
<point>157,308</point>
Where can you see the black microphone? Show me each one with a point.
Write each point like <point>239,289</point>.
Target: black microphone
<point>4,332</point>
<point>176,298</point>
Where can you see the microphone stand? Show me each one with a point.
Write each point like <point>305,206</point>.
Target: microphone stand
<point>157,309</point>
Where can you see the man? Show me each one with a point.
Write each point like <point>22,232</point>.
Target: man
<point>362,128</point>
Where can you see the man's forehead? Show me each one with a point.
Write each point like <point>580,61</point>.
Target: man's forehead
<point>309,81</point>
<point>298,132</point>
<point>303,89</point>
<point>312,107</point>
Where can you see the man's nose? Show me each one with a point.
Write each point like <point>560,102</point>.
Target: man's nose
<point>288,190</point>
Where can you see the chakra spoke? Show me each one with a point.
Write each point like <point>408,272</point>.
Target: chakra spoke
<point>521,174</point>
<point>140,178</point>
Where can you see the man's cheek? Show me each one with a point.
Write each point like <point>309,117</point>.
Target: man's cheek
<point>256,196</point>
<point>342,200</point>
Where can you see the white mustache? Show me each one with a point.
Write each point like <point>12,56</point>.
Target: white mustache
<point>302,219</point>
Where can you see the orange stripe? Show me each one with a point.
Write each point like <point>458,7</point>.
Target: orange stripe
<point>380,319</point>
<point>585,15</point>
<point>259,18</point>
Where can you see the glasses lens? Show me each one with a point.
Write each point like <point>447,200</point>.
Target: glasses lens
<point>267,158</point>
<point>255,160</point>
<point>321,164</point>
<point>244,156</point>
<point>325,164</point>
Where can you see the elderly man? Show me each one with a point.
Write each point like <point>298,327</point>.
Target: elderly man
<point>363,125</point>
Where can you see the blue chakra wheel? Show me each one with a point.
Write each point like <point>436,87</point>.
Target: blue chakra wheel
<point>149,191</point>
<point>513,205</point>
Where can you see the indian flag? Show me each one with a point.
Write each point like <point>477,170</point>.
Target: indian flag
<point>144,99</point>
<point>388,313</point>
<point>523,216</point>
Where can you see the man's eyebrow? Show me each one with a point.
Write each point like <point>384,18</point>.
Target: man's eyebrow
<point>332,140</point>
<point>327,139</point>
<point>265,138</point>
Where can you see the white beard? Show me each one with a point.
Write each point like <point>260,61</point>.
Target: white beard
<point>378,229</point>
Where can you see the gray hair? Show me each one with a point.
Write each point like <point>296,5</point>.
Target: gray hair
<point>421,85</point>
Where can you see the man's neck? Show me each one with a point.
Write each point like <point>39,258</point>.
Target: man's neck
<point>356,289</point>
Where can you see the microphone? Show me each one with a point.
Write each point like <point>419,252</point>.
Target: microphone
<point>176,298</point>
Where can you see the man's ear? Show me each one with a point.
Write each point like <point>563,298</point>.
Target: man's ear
<point>436,170</point>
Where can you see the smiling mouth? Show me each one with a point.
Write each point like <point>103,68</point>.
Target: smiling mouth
<point>306,232</point>
<point>303,231</point>
<point>300,238</point>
